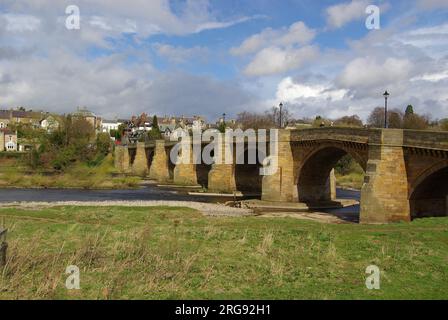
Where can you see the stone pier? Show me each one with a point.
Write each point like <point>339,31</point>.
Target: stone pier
<point>159,167</point>
<point>122,159</point>
<point>221,177</point>
<point>281,186</point>
<point>185,171</point>
<point>384,195</point>
<point>140,165</point>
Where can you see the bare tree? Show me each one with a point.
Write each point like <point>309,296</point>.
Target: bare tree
<point>251,120</point>
<point>349,121</point>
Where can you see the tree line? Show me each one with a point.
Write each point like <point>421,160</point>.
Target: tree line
<point>396,119</point>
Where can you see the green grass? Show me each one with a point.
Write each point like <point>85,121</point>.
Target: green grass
<point>169,253</point>
<point>78,176</point>
<point>353,180</point>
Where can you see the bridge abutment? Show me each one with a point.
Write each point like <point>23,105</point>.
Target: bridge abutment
<point>384,195</point>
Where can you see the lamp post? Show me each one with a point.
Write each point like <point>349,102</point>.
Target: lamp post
<point>224,117</point>
<point>280,115</point>
<point>386,96</point>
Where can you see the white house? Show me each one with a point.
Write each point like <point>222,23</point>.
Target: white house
<point>108,125</point>
<point>49,123</point>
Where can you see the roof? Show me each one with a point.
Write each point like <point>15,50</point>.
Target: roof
<point>7,131</point>
<point>25,114</point>
<point>5,114</point>
<point>83,112</point>
<point>110,121</point>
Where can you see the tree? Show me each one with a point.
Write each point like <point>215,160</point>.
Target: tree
<point>154,133</point>
<point>376,118</point>
<point>415,122</point>
<point>394,118</point>
<point>409,110</point>
<point>349,121</point>
<point>444,124</point>
<point>251,120</point>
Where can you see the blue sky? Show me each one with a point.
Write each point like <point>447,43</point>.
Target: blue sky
<point>207,56</point>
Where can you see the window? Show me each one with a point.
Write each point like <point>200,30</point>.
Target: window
<point>10,146</point>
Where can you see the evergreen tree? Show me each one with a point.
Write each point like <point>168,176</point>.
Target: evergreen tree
<point>409,110</point>
<point>154,133</point>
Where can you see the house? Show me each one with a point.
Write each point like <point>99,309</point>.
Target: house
<point>8,140</point>
<point>50,123</point>
<point>166,130</point>
<point>19,116</point>
<point>89,116</point>
<point>5,118</point>
<point>108,125</point>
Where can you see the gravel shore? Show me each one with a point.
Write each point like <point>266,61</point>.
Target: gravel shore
<point>208,209</point>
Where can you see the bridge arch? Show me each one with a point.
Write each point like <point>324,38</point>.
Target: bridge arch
<point>313,179</point>
<point>428,194</point>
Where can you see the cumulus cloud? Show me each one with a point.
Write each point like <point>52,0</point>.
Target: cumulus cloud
<point>278,51</point>
<point>297,33</point>
<point>341,14</point>
<point>179,54</point>
<point>115,16</point>
<point>274,60</point>
<point>110,87</point>
<point>367,72</point>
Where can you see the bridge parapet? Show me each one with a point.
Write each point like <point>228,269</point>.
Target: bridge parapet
<point>356,135</point>
<point>433,140</point>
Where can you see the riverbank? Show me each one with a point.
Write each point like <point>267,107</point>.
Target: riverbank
<point>178,253</point>
<point>78,176</point>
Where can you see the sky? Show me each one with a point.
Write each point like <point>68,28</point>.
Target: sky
<point>209,57</point>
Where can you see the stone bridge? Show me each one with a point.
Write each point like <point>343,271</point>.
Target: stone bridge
<point>406,172</point>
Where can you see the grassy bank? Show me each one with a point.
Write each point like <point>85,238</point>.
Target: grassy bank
<point>353,180</point>
<point>14,174</point>
<point>349,174</point>
<point>159,253</point>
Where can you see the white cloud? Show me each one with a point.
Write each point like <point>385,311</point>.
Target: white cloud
<point>367,72</point>
<point>432,77</point>
<point>274,60</point>
<point>341,14</point>
<point>290,91</point>
<point>432,4</point>
<point>297,33</point>
<point>21,22</point>
<point>179,54</point>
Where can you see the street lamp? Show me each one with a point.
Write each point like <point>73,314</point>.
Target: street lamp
<point>224,117</point>
<point>386,96</point>
<point>280,116</point>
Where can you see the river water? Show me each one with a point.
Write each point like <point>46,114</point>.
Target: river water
<point>147,193</point>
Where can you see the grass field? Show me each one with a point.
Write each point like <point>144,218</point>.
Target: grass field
<point>176,253</point>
